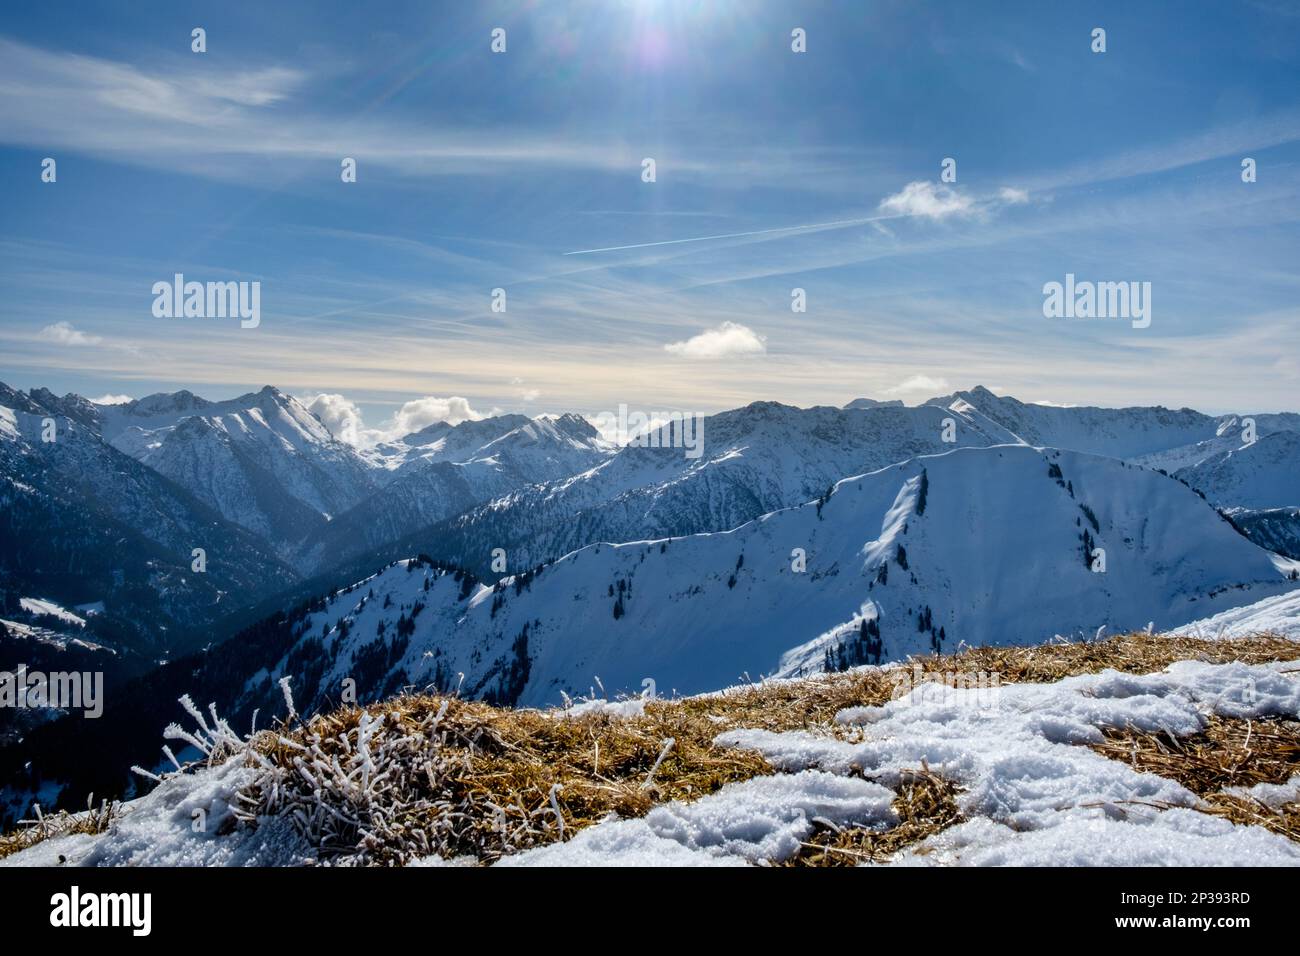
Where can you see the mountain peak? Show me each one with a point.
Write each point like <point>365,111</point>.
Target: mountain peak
<point>874,403</point>
<point>160,403</point>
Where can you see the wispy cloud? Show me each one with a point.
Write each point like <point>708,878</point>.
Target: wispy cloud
<point>920,384</point>
<point>65,334</point>
<point>179,117</point>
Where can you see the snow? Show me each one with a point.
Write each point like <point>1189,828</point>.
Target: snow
<point>1273,795</point>
<point>41,606</point>
<point>159,830</point>
<point>1140,837</point>
<point>760,820</point>
<point>631,707</point>
<point>1024,770</point>
<point>1033,795</point>
<point>1275,615</point>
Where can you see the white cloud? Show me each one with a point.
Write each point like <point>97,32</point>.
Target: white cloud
<point>928,200</point>
<point>1013,196</point>
<point>343,417</point>
<point>423,412</point>
<point>728,339</point>
<point>340,415</point>
<point>65,334</point>
<point>920,383</point>
<point>111,399</point>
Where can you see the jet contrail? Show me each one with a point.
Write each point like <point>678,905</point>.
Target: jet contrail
<point>737,235</point>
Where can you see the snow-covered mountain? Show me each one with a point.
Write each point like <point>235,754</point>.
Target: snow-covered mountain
<point>1136,433</point>
<point>992,545</point>
<point>261,460</point>
<point>542,487</point>
<point>754,460</point>
<point>1263,474</point>
<point>442,441</point>
<point>444,470</point>
<point>768,456</point>
<point>82,522</point>
<point>874,403</point>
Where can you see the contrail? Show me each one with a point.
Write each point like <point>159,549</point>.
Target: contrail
<point>737,235</point>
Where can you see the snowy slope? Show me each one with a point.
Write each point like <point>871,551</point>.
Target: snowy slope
<point>1263,474</point>
<point>983,546</point>
<point>1275,615</point>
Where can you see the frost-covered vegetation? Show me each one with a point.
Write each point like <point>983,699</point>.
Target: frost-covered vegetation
<point>1137,749</point>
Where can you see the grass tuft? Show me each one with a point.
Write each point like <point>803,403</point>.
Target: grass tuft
<point>926,803</point>
<point>1230,752</point>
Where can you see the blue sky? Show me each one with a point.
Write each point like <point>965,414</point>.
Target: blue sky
<point>479,171</point>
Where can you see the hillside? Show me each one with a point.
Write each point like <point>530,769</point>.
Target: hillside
<point>904,560</point>
<point>1262,475</point>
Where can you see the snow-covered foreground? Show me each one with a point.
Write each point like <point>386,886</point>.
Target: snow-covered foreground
<point>1031,791</point>
<point>1033,794</point>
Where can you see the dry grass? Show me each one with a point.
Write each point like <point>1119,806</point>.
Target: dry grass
<point>814,701</point>
<point>508,779</point>
<point>926,804</point>
<point>417,774</point>
<point>1129,653</point>
<point>511,762</point>
<point>58,824</point>
<point>1228,753</point>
